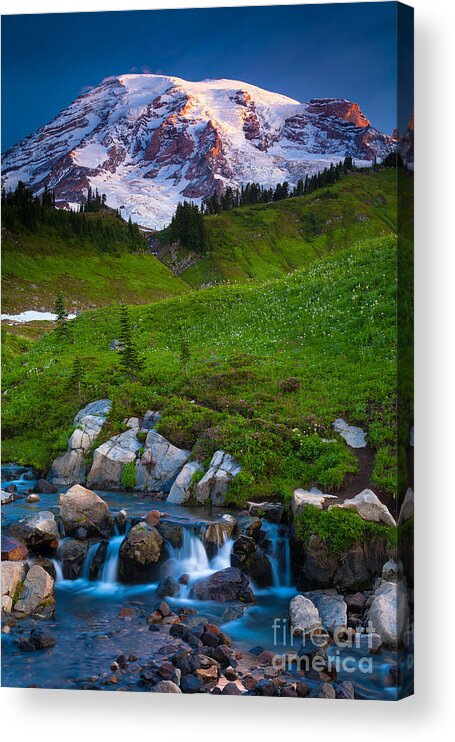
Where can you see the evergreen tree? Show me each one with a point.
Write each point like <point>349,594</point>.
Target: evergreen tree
<point>129,357</point>
<point>76,379</point>
<point>184,351</point>
<point>63,330</point>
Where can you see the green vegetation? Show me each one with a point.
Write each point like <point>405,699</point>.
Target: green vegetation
<point>269,240</point>
<point>265,372</point>
<point>129,476</point>
<point>339,529</point>
<point>93,257</point>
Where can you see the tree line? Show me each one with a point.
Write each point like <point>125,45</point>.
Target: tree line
<point>23,210</point>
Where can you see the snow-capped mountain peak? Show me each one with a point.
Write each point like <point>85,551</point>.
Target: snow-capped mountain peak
<point>148,141</point>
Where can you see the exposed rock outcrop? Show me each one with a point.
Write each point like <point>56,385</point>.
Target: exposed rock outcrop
<point>223,586</point>
<point>214,484</point>
<point>180,490</point>
<point>69,468</point>
<point>369,507</point>
<point>110,459</point>
<point>160,464</point>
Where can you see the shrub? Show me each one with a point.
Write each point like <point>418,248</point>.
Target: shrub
<point>128,479</point>
<point>339,529</point>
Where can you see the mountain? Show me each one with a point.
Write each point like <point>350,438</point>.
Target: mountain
<point>148,141</point>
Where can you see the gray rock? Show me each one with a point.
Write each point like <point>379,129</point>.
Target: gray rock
<point>13,574</point>
<point>223,586</point>
<point>67,469</point>
<point>82,508</point>
<point>331,607</point>
<point>37,590</point>
<point>140,554</point>
<point>389,612</point>
<point>304,616</point>
<point>369,507</point>
<point>180,490</point>
<point>325,690</point>
<point>39,532</point>
<point>6,497</point>
<point>354,437</point>
<point>214,484</point>
<point>71,554</point>
<point>110,459</point>
<point>301,498</point>
<point>160,464</point>
<point>271,511</point>
<point>166,686</point>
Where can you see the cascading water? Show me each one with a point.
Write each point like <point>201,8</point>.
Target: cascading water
<point>85,572</point>
<point>110,567</point>
<point>279,553</point>
<point>192,558</point>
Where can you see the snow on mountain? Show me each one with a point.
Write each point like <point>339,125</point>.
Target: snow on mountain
<point>149,141</point>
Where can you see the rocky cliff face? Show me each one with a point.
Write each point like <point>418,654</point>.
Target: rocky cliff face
<point>148,141</point>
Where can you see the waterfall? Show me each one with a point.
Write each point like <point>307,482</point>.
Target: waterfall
<point>85,572</point>
<point>110,567</point>
<point>58,570</point>
<point>279,553</point>
<point>192,558</point>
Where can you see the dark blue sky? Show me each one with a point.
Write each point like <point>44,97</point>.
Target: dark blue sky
<point>346,50</point>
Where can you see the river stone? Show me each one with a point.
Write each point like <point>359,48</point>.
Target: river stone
<point>331,607</point>
<point>180,490</point>
<point>249,557</point>
<point>407,507</point>
<point>354,437</point>
<point>140,554</point>
<point>165,686</point>
<point>13,550</point>
<point>160,464</point>
<point>324,690</point>
<point>215,534</point>
<point>369,507</point>
<point>271,511</point>
<point>223,586</point>
<point>249,526</point>
<point>71,554</point>
<point>39,532</point>
<point>214,484</point>
<point>38,589</point>
<point>171,531</point>
<point>13,573</point>
<point>43,487</point>
<point>389,612</point>
<point>7,497</point>
<point>304,616</point>
<point>80,508</point>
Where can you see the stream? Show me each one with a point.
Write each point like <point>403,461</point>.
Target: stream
<point>99,619</point>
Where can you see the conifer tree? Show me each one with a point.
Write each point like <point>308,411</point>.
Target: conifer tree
<point>129,357</point>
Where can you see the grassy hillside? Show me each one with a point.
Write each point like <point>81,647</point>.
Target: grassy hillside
<point>89,271</point>
<point>270,369</point>
<point>269,240</point>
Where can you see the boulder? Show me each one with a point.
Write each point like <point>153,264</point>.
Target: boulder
<point>39,638</point>
<point>110,459</point>
<point>13,575</point>
<point>249,526</point>
<point>160,464</point>
<point>271,511</point>
<point>172,532</point>
<point>180,490</point>
<point>169,587</point>
<point>67,469</point>
<point>43,487</point>
<point>71,554</point>
<point>389,612</point>
<point>6,497</point>
<point>165,686</point>
<point>140,554</point>
<point>13,550</point>
<point>249,557</point>
<point>214,484</point>
<point>407,507</point>
<point>331,607</point>
<point>355,602</point>
<point>303,615</point>
<point>369,507</point>
<point>354,437</point>
<point>217,533</point>
<point>39,532</point>
<point>37,591</point>
<point>89,422</point>
<point>32,498</point>
<point>301,498</point>
<point>223,586</point>
<point>80,508</point>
